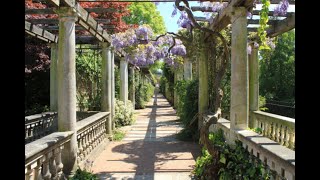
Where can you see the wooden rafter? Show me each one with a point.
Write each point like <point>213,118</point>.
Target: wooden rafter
<point>51,11</point>
<point>55,28</point>
<point>33,29</point>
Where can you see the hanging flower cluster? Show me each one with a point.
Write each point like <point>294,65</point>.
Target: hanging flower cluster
<point>281,8</point>
<point>142,50</point>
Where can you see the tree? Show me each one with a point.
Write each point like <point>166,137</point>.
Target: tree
<point>277,69</point>
<point>146,13</point>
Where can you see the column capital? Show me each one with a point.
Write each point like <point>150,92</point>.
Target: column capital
<point>67,12</point>
<point>237,12</point>
<point>105,45</point>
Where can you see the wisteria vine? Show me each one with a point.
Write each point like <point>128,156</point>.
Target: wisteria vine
<point>142,50</point>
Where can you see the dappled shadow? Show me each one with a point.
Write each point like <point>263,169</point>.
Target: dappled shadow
<point>153,154</point>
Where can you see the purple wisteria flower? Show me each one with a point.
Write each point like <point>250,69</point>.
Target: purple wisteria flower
<point>249,48</point>
<point>281,8</point>
<point>174,12</point>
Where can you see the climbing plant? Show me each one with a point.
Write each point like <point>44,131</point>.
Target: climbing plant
<point>88,76</point>
<point>229,162</point>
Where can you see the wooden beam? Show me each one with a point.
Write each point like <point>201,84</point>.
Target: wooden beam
<point>85,17</point>
<point>55,28</point>
<point>250,21</point>
<point>272,1</point>
<point>282,26</point>
<point>44,21</point>
<point>40,32</point>
<point>86,40</point>
<point>51,11</point>
<point>256,21</point>
<point>56,21</point>
<point>254,12</point>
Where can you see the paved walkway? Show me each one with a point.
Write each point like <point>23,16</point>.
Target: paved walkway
<point>149,150</point>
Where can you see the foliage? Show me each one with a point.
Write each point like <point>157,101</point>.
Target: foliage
<point>143,92</point>
<point>146,13</point>
<point>123,113</point>
<point>232,162</point>
<point>118,135</point>
<point>37,76</point>
<point>262,103</point>
<point>117,81</point>
<point>120,10</point>
<point>88,74</point>
<point>264,18</point>
<point>188,108</point>
<point>84,175</point>
<point>277,69</point>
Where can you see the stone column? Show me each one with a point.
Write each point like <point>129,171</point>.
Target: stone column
<point>53,78</point>
<point>253,83</point>
<point>203,80</point>
<point>239,71</point>
<point>187,72</point>
<point>113,90</point>
<point>106,84</point>
<point>66,80</point>
<point>133,86</point>
<point>123,81</point>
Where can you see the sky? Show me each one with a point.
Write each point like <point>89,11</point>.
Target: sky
<point>171,22</point>
<point>166,11</point>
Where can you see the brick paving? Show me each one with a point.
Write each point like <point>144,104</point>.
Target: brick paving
<point>149,150</point>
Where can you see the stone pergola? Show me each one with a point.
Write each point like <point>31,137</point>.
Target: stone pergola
<point>60,33</point>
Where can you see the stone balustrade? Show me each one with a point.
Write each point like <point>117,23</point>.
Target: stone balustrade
<point>277,158</point>
<point>91,132</point>
<point>43,156</point>
<point>39,125</point>
<point>278,128</point>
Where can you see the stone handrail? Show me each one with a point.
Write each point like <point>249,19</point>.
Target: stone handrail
<point>279,159</point>
<point>39,125</point>
<point>91,132</point>
<point>43,156</point>
<point>278,128</point>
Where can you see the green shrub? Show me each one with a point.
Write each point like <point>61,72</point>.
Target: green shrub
<point>118,135</point>
<point>143,94</point>
<point>123,114</point>
<point>84,175</point>
<point>262,103</point>
<point>188,96</point>
<point>234,162</point>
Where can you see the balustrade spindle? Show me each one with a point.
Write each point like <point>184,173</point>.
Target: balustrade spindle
<point>278,133</point>
<point>282,135</point>
<point>273,134</point>
<point>292,139</point>
<point>59,164</point>
<point>37,169</point>
<point>29,173</point>
<point>287,137</point>
<point>270,130</point>
<point>266,127</point>
<point>53,166</point>
<point>46,169</point>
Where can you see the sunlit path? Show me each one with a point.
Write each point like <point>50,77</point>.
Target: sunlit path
<point>150,149</point>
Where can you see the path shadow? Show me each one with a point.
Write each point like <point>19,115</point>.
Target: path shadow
<point>155,154</point>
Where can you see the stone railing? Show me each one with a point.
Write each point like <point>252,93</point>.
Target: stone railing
<point>43,156</point>
<point>91,132</point>
<point>39,125</point>
<point>278,128</point>
<point>277,158</point>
